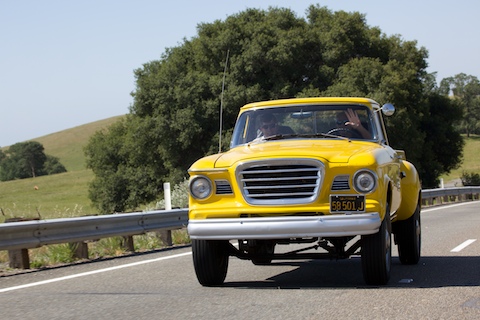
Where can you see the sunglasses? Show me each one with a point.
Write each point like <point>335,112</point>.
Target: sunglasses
<point>269,126</point>
<point>341,122</point>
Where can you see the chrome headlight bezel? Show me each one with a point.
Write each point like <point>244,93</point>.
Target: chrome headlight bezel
<point>200,187</point>
<point>365,181</point>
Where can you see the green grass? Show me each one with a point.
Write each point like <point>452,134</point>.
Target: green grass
<point>470,163</point>
<point>55,196</point>
<point>68,144</point>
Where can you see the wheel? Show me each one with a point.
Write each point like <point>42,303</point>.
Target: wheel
<point>377,254</point>
<point>262,251</point>
<point>210,260</point>
<point>409,238</point>
<point>345,132</point>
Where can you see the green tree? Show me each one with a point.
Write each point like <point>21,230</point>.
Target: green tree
<point>126,165</point>
<point>52,165</point>
<point>465,89</point>
<point>174,119</point>
<point>27,160</point>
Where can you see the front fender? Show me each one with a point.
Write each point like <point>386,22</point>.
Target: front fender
<point>411,190</point>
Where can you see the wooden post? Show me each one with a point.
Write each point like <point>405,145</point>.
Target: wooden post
<point>166,237</point>
<point>18,258</point>
<point>79,250</point>
<point>127,243</point>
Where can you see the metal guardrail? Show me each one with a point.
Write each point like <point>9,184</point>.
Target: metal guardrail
<point>447,195</point>
<point>36,233</point>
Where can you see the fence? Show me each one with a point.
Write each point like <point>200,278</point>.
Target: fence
<point>18,237</point>
<point>441,196</point>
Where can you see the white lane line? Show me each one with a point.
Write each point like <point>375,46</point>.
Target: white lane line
<point>83,274</point>
<point>463,245</point>
<point>448,206</point>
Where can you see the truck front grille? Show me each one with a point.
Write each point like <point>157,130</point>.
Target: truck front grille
<point>281,181</point>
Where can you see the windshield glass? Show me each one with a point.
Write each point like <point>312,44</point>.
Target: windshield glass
<point>304,121</point>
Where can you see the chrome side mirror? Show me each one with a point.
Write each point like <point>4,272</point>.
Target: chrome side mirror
<point>388,109</point>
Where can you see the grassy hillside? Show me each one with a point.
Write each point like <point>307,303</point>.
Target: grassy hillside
<point>68,144</point>
<point>55,196</point>
<point>471,161</point>
<point>66,194</point>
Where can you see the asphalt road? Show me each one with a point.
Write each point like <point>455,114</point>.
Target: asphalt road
<point>162,285</point>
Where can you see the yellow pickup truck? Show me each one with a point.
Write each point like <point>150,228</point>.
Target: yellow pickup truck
<point>312,172</point>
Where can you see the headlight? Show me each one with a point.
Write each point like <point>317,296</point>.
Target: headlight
<point>200,187</point>
<point>365,181</point>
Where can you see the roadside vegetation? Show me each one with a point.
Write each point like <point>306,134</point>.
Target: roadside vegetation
<point>107,247</point>
<point>470,165</point>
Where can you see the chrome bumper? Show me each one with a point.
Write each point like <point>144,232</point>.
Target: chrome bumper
<point>285,227</point>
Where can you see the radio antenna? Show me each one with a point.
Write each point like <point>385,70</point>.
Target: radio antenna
<point>221,104</point>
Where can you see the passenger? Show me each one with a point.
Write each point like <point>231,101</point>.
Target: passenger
<point>349,121</point>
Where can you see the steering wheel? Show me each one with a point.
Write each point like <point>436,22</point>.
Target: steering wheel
<point>345,132</point>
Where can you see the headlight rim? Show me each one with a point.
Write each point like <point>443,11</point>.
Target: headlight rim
<point>191,185</point>
<point>372,174</point>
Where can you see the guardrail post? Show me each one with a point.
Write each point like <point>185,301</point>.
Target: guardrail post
<point>79,250</point>
<point>127,243</point>
<point>18,258</point>
<point>166,235</point>
<point>445,199</point>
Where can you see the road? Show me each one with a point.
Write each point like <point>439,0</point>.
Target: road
<point>162,285</point>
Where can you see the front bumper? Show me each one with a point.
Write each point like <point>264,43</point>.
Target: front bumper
<point>285,227</point>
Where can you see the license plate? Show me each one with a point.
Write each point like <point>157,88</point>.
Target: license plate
<point>347,203</point>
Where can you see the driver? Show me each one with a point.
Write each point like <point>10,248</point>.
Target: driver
<point>270,127</point>
<point>349,121</point>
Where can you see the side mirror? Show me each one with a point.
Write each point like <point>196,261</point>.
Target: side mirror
<point>388,109</point>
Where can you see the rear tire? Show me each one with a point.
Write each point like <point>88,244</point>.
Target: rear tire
<point>210,260</point>
<point>263,252</point>
<point>377,253</point>
<point>409,238</point>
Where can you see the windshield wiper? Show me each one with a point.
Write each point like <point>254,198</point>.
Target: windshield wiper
<point>304,135</point>
<point>321,134</point>
<point>281,136</point>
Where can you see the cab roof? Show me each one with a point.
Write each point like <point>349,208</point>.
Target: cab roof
<point>318,100</point>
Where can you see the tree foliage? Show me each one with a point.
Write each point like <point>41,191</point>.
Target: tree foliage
<point>470,178</point>
<point>465,90</point>
<point>174,119</point>
<point>27,160</point>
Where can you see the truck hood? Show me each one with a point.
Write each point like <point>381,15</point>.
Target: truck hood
<point>333,151</point>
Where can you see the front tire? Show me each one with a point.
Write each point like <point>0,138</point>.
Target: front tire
<point>377,254</point>
<point>210,260</point>
<point>409,238</point>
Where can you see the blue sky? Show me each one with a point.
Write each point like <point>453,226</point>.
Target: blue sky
<point>67,63</point>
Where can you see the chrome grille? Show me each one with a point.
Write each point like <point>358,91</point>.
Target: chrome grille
<point>223,187</point>
<point>341,183</point>
<point>286,181</point>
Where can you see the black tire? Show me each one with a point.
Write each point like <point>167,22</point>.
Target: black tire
<point>409,238</point>
<point>377,254</point>
<point>210,260</point>
<point>263,252</point>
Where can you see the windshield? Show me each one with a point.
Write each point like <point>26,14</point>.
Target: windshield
<point>304,121</point>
